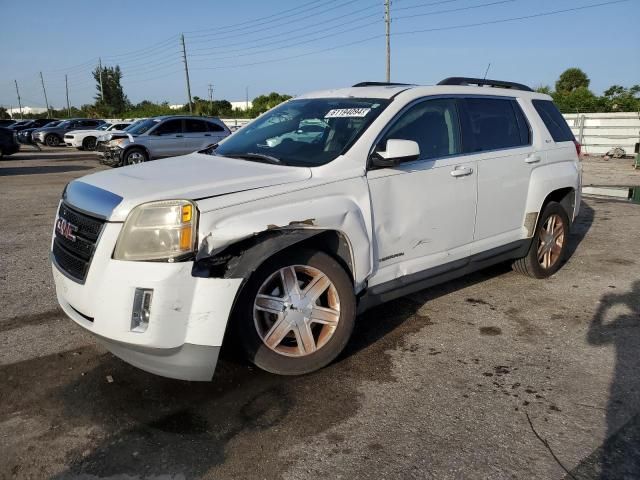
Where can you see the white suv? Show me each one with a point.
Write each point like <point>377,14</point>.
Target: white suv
<point>280,235</point>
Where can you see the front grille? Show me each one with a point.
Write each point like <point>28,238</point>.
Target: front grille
<point>73,255</point>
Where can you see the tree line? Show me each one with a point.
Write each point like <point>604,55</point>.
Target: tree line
<point>572,95</point>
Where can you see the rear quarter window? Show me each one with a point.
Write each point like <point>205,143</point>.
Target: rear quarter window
<point>553,120</point>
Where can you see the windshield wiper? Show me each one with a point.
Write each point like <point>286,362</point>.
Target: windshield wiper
<point>257,156</point>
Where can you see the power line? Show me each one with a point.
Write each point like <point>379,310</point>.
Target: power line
<point>460,9</point>
<point>412,32</point>
<point>304,28</point>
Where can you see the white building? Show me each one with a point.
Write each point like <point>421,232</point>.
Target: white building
<point>15,112</point>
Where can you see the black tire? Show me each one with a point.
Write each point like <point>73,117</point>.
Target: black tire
<point>530,264</point>
<point>52,140</point>
<point>89,143</point>
<point>1,154</point>
<point>246,330</point>
<point>133,156</point>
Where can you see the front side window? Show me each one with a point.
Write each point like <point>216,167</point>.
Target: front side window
<point>169,127</point>
<point>432,124</point>
<point>305,132</point>
<point>493,124</point>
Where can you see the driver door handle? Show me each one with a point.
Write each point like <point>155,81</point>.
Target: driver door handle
<point>461,171</point>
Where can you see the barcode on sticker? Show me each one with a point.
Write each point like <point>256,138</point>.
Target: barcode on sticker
<point>347,113</point>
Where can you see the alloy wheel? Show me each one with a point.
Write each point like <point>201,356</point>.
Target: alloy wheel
<point>550,241</point>
<point>296,311</point>
<point>135,157</point>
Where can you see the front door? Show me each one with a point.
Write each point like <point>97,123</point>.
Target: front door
<point>423,210</point>
<point>167,139</point>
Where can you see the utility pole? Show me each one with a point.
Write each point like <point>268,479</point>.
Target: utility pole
<point>387,21</point>
<point>210,99</point>
<point>66,87</point>
<point>100,71</point>
<point>486,71</point>
<point>19,101</point>
<point>186,71</point>
<point>46,101</point>
<point>246,98</point>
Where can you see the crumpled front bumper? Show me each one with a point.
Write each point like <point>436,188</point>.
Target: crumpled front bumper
<point>111,156</point>
<point>188,315</point>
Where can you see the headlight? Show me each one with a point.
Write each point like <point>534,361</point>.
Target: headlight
<point>164,230</point>
<point>118,142</point>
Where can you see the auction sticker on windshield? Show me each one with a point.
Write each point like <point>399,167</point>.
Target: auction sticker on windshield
<point>347,113</point>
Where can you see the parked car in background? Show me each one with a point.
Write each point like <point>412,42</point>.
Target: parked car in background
<point>25,134</point>
<point>54,136</point>
<point>35,123</point>
<point>87,139</point>
<point>8,142</point>
<point>282,243</point>
<point>158,137</point>
<point>6,122</point>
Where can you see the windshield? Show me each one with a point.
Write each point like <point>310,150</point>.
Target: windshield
<point>64,124</point>
<point>139,128</point>
<point>133,125</point>
<point>306,132</point>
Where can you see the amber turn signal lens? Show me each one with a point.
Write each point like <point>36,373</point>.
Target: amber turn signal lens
<point>187,212</point>
<point>185,238</point>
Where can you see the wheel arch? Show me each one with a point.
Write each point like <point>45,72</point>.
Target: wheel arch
<point>138,146</point>
<point>559,182</point>
<point>242,258</point>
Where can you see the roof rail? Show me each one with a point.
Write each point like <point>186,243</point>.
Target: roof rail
<point>381,84</point>
<point>483,82</point>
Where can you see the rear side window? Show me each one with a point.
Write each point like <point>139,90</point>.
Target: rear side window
<point>214,127</point>
<point>494,124</point>
<point>553,120</point>
<point>192,125</point>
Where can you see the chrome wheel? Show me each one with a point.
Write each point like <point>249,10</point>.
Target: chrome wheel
<point>135,157</point>
<point>550,241</point>
<point>296,311</point>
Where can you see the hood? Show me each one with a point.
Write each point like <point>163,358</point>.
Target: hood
<point>88,132</point>
<point>191,177</point>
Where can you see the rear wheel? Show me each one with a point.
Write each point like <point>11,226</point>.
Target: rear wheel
<point>549,245</point>
<point>89,143</point>
<point>134,156</point>
<point>296,313</point>
<point>52,140</point>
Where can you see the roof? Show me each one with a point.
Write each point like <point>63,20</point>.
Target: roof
<point>388,91</point>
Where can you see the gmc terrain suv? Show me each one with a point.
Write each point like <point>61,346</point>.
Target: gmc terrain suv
<point>161,137</point>
<point>282,233</point>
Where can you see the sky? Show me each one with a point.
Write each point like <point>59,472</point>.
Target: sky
<point>294,47</point>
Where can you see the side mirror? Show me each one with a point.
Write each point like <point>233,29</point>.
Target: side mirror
<point>396,151</point>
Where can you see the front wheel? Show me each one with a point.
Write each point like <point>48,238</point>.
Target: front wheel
<point>134,156</point>
<point>52,140</point>
<point>89,143</point>
<point>548,246</point>
<point>296,313</point>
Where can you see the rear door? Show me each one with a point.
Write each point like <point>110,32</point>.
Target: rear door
<point>498,139</point>
<point>217,132</point>
<point>195,133</point>
<point>167,139</point>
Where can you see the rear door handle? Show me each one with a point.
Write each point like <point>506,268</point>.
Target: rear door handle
<point>533,158</point>
<point>461,171</point>
<point>207,134</point>
<point>178,136</point>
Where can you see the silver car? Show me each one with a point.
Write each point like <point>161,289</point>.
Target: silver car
<point>159,137</point>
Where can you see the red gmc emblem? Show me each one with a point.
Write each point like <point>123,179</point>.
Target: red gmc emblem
<point>66,229</point>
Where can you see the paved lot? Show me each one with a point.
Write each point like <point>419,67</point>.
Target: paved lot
<point>490,376</point>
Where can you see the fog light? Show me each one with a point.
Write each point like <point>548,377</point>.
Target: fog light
<point>141,309</point>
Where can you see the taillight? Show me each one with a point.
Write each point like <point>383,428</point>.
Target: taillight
<point>578,149</point>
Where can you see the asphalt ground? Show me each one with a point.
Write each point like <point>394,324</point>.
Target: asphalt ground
<point>491,376</point>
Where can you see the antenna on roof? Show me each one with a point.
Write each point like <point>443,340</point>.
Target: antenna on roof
<point>486,71</point>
